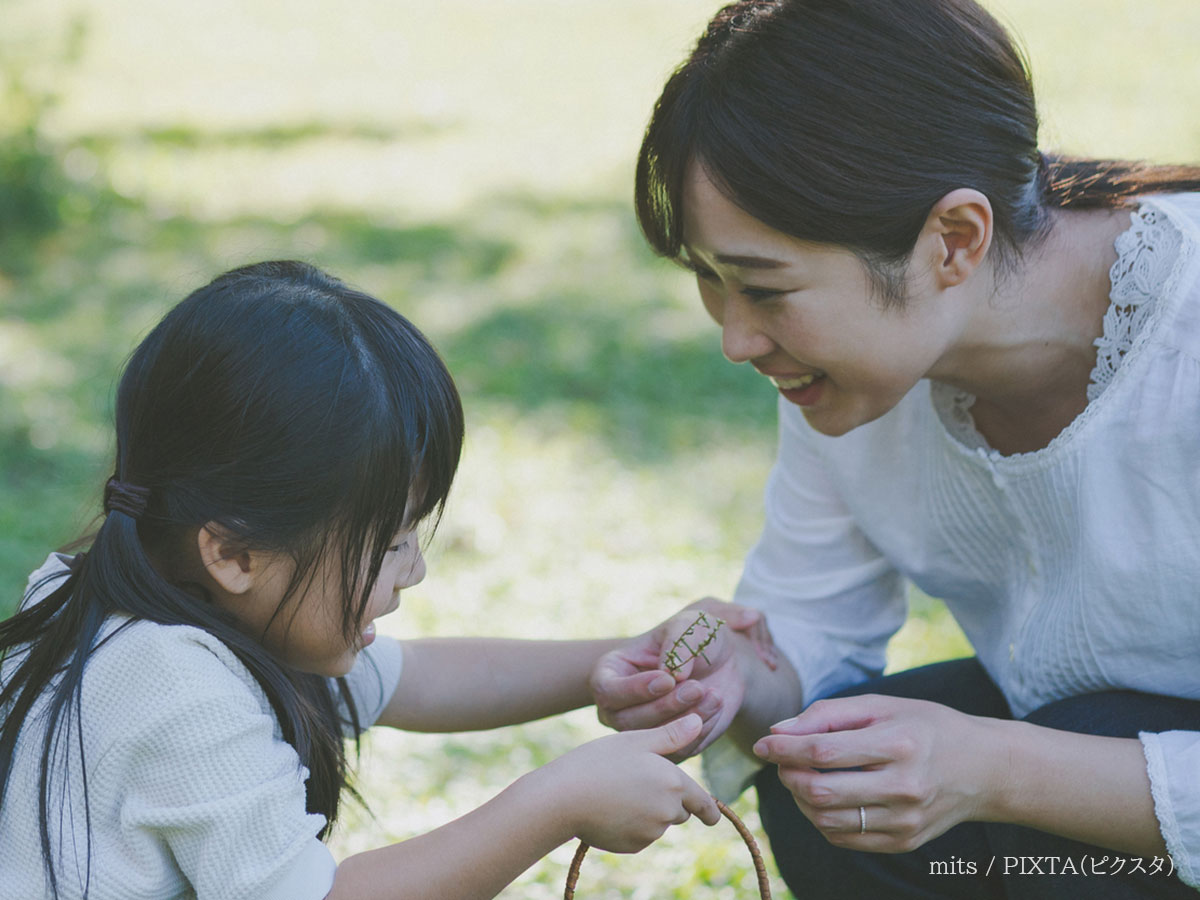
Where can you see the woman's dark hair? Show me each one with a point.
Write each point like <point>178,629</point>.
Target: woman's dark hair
<point>301,417</point>
<point>844,122</point>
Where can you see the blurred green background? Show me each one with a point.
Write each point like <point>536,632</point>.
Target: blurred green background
<point>471,163</point>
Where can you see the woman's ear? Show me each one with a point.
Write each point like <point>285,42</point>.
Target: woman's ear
<point>231,566</point>
<point>957,234</point>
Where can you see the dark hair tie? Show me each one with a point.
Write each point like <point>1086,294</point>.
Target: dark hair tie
<point>125,498</point>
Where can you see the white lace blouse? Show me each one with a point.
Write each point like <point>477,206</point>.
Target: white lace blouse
<point>1072,569</point>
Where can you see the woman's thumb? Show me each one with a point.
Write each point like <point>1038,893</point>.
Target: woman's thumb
<point>674,735</point>
<point>740,618</point>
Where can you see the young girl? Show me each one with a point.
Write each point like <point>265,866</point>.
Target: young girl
<point>988,367</point>
<point>175,699</point>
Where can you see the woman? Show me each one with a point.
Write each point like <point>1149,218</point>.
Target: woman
<point>988,362</point>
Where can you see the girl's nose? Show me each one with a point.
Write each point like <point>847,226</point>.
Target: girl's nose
<point>418,573</point>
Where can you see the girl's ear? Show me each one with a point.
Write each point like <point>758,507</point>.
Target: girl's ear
<point>232,567</point>
<point>957,235</point>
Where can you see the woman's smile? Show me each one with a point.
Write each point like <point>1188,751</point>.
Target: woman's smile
<point>802,389</point>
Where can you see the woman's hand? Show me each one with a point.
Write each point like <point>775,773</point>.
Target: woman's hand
<point>915,768</point>
<point>633,688</point>
<point>620,794</point>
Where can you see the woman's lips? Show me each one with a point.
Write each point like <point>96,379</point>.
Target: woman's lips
<point>793,382</point>
<point>803,390</point>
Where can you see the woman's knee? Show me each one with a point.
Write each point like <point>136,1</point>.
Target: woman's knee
<point>1118,714</point>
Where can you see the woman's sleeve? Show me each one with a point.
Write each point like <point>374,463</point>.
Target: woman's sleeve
<point>1173,762</point>
<point>831,599</point>
<point>204,773</point>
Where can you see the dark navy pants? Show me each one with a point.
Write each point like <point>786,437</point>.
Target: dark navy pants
<point>1024,863</point>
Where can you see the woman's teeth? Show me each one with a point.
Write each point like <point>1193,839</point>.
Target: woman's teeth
<point>791,384</point>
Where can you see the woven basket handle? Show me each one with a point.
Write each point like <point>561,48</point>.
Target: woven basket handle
<point>764,885</point>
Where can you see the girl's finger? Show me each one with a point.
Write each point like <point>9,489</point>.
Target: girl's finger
<point>683,699</point>
<point>615,692</point>
<point>700,803</point>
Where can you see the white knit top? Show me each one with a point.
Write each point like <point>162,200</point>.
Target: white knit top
<point>1072,569</point>
<point>192,791</point>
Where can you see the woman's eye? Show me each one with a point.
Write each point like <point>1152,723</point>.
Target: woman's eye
<point>398,547</point>
<point>758,294</point>
<point>698,270</point>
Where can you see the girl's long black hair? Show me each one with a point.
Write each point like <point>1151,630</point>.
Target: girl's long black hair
<point>299,416</point>
<point>844,121</point>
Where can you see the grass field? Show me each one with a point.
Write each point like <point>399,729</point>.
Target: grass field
<point>470,163</point>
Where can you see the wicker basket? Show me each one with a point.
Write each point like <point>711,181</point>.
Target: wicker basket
<point>764,885</point>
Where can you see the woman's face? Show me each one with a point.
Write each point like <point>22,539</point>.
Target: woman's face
<point>805,315</point>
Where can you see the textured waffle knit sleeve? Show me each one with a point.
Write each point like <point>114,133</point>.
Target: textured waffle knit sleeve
<point>188,772</point>
<point>372,682</point>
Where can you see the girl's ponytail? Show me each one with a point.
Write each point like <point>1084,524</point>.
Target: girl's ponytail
<point>219,423</point>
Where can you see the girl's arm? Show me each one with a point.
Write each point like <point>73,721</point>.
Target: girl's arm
<point>919,768</point>
<point>468,684</point>
<point>617,793</point>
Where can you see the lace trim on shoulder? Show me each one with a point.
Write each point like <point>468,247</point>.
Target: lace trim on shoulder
<point>1146,256</point>
<point>953,407</point>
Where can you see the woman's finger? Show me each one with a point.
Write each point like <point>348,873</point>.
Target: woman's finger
<point>837,714</point>
<point>838,789</point>
<point>839,750</point>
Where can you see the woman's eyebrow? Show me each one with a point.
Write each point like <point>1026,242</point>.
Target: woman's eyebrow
<point>750,262</point>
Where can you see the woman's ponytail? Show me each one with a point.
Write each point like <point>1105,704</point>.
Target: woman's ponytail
<point>1075,182</point>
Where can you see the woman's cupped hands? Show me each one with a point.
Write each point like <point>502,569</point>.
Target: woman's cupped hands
<point>641,685</point>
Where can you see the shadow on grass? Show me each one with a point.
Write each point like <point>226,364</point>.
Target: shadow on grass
<point>269,137</point>
<point>649,398</point>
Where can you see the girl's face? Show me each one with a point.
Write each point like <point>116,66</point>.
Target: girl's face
<point>307,632</point>
<point>805,315</point>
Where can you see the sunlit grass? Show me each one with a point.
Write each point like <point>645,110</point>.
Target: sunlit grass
<point>470,163</point>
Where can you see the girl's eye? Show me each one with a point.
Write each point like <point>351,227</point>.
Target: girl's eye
<point>398,547</point>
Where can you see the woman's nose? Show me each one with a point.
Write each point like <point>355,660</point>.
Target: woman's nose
<point>742,339</point>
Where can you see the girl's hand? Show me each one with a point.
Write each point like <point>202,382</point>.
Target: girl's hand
<point>618,793</point>
<point>633,688</point>
<point>916,768</point>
